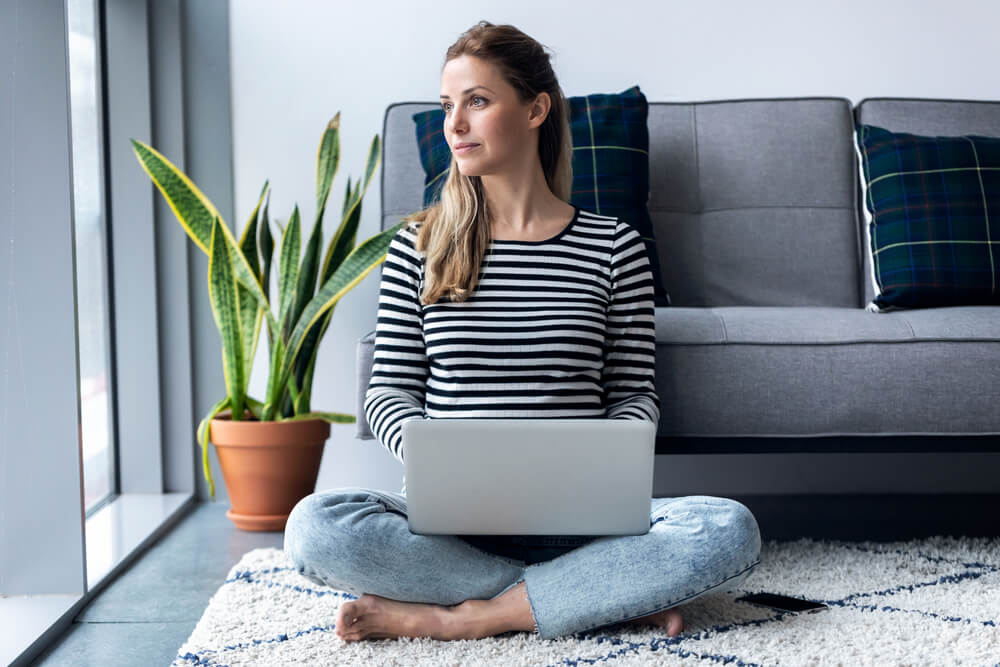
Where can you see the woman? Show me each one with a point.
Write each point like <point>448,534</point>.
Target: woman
<point>528,307</point>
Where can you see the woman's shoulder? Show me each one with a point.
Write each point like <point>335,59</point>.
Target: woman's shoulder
<point>405,241</point>
<point>598,220</point>
<point>591,215</point>
<point>610,226</point>
<point>408,231</point>
<point>412,225</point>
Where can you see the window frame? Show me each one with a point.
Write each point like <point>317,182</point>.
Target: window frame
<point>53,558</point>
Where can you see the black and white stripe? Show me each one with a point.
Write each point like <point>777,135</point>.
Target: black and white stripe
<point>561,328</point>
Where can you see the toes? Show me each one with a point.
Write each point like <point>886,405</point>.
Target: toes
<point>347,609</point>
<point>346,623</point>
<point>352,627</point>
<point>348,612</point>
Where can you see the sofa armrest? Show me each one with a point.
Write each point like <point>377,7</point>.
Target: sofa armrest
<point>365,355</point>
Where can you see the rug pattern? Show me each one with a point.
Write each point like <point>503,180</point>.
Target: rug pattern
<point>932,601</point>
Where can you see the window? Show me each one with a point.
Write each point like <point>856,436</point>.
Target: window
<point>81,77</point>
<point>93,322</point>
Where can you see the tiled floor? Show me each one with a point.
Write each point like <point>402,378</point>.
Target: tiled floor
<point>143,617</point>
<point>147,613</point>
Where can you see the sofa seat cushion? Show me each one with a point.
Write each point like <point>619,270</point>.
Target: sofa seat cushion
<point>816,371</point>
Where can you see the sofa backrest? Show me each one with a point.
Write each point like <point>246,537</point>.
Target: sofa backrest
<point>928,117</point>
<point>754,202</point>
<point>402,174</point>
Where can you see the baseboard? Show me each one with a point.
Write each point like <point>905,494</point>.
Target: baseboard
<point>793,444</point>
<point>874,517</point>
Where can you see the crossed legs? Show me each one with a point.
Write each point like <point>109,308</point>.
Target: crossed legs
<point>442,587</point>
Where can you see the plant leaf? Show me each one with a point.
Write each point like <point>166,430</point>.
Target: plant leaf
<point>306,360</point>
<point>327,160</point>
<point>255,407</point>
<point>355,267</point>
<point>347,199</point>
<point>346,236</point>
<point>195,213</point>
<point>331,417</point>
<point>288,272</point>
<point>203,440</point>
<point>222,290</point>
<point>342,243</point>
<point>374,158</point>
<point>248,240</point>
<point>307,272</point>
<point>193,209</point>
<point>266,250</point>
<point>250,311</point>
<point>275,391</point>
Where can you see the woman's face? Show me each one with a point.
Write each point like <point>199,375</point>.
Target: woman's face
<point>481,108</point>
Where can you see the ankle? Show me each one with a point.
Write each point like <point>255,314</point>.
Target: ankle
<point>468,620</point>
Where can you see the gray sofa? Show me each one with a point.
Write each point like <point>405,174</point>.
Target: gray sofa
<point>761,234</point>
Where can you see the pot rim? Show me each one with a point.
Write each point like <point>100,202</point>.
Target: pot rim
<point>224,431</point>
<point>226,416</point>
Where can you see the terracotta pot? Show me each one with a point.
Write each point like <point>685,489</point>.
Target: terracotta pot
<point>268,467</point>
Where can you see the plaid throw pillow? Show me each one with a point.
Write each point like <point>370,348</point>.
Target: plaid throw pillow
<point>610,162</point>
<point>935,228</point>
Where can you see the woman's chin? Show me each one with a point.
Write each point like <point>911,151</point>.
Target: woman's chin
<point>473,169</point>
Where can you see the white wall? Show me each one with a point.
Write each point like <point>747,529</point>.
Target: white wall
<point>295,64</point>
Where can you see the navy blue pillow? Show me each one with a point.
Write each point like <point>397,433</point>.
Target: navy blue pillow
<point>935,206</point>
<point>610,162</point>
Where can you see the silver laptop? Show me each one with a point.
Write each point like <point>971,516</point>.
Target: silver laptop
<point>529,476</point>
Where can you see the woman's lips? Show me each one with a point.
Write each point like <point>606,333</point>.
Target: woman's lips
<point>466,149</point>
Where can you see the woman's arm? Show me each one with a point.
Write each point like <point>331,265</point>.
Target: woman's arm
<point>399,370</point>
<point>630,341</point>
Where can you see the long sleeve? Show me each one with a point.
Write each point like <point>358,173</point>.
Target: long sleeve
<point>398,383</point>
<point>630,347</point>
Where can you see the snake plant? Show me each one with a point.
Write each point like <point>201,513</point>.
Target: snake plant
<point>239,279</point>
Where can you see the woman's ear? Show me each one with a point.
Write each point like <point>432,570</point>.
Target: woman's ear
<point>539,110</point>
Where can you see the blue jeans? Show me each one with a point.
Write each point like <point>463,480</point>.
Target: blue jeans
<point>358,540</point>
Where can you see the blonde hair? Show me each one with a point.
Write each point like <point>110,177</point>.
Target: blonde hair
<point>455,232</point>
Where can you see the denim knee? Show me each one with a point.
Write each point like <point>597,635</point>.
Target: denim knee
<point>313,540</point>
<point>295,527</point>
<point>731,523</point>
<point>744,533</point>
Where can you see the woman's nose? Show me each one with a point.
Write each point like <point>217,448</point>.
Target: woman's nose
<point>456,122</point>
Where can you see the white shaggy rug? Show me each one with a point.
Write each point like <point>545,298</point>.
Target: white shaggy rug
<point>934,601</point>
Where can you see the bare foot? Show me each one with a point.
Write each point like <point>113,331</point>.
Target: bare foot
<point>374,617</point>
<point>668,619</point>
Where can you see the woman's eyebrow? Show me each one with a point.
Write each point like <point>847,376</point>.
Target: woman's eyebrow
<point>467,91</point>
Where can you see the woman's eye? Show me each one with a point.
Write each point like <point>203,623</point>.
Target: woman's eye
<point>446,105</point>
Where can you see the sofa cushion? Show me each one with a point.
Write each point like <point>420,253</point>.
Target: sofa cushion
<point>931,233</point>
<point>927,117</point>
<point>610,162</point>
<point>755,202</point>
<point>805,371</point>
<point>802,371</point>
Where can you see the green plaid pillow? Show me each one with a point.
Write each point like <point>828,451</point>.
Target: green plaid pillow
<point>610,162</point>
<point>935,206</point>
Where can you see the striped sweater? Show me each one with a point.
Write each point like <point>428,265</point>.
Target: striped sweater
<point>560,328</point>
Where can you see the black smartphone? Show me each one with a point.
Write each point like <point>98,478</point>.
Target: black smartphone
<point>782,602</point>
